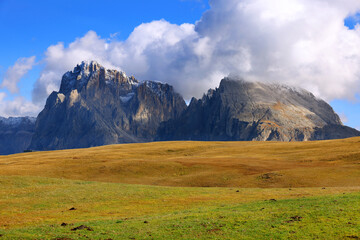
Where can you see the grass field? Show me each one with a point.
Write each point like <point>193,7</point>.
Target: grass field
<point>184,190</point>
<point>200,164</point>
<point>35,208</point>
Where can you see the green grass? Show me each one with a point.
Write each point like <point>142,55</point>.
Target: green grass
<point>34,208</point>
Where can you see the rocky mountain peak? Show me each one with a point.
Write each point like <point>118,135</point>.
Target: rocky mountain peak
<point>89,73</point>
<point>97,106</point>
<point>243,110</point>
<point>281,100</point>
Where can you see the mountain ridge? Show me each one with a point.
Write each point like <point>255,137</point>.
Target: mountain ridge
<point>16,134</point>
<point>245,111</point>
<point>97,106</point>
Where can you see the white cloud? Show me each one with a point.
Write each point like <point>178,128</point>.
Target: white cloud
<point>14,73</point>
<point>343,118</point>
<point>298,42</point>
<point>17,107</point>
<point>59,59</point>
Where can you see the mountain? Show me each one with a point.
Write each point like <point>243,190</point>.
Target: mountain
<point>98,106</point>
<point>15,134</point>
<point>247,111</point>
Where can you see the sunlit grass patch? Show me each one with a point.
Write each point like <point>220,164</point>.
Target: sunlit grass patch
<point>119,211</point>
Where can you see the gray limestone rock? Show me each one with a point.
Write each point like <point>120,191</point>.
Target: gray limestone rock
<point>97,106</point>
<point>247,111</point>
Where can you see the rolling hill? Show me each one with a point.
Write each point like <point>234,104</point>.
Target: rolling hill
<point>205,190</point>
<point>200,164</point>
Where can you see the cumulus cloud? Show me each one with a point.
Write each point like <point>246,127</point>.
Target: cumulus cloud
<point>14,73</point>
<point>149,50</point>
<point>17,107</point>
<point>59,59</point>
<point>298,42</point>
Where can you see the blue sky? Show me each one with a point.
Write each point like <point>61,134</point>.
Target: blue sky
<point>29,28</point>
<point>32,26</point>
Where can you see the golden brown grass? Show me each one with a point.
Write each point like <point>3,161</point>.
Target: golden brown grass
<point>334,163</point>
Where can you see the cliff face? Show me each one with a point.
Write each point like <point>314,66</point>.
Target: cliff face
<point>240,110</point>
<point>15,134</point>
<point>97,106</point>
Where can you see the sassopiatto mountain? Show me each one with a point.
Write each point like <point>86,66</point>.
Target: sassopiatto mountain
<point>97,106</point>
<point>247,111</point>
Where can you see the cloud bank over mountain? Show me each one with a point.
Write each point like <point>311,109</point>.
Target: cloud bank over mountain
<point>297,42</point>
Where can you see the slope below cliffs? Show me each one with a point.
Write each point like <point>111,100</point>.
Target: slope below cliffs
<point>15,134</point>
<point>246,111</point>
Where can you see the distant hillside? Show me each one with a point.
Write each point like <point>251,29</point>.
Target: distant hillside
<point>331,163</point>
<point>15,134</point>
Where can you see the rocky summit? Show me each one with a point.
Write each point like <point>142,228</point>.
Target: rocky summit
<point>97,106</point>
<point>247,111</point>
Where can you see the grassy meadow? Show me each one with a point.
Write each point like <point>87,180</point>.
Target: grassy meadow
<point>184,190</point>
